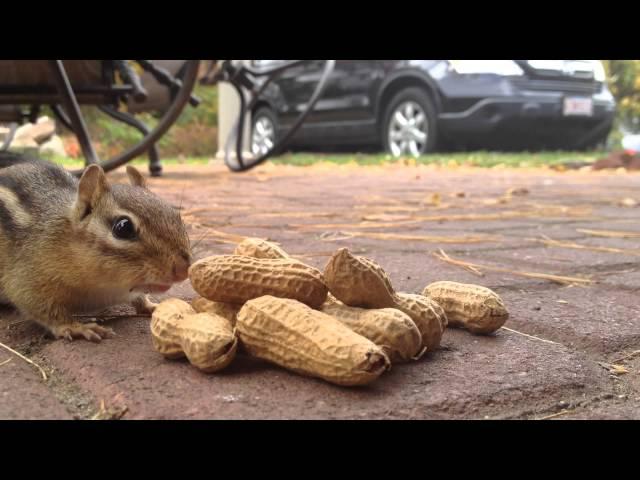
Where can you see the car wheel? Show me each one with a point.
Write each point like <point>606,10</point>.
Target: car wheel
<point>263,131</point>
<point>409,126</point>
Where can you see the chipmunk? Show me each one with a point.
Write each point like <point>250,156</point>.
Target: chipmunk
<point>70,246</point>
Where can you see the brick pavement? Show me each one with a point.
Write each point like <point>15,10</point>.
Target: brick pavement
<point>563,371</point>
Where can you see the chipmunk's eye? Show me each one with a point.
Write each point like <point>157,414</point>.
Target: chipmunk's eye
<point>124,229</point>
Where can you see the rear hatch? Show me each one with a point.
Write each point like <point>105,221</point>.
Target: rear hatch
<point>560,75</point>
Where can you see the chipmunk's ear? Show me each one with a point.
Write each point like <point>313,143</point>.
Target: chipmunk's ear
<point>93,184</point>
<point>135,177</point>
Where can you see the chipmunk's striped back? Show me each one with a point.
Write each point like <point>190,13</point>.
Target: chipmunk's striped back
<point>31,192</point>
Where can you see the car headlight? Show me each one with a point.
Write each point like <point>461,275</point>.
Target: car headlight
<point>599,74</point>
<point>497,67</point>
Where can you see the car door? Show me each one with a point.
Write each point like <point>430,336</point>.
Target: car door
<point>348,93</point>
<point>346,103</point>
<point>286,93</point>
<point>346,108</point>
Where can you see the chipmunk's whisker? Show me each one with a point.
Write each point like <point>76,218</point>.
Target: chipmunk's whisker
<point>201,238</point>
<point>181,197</point>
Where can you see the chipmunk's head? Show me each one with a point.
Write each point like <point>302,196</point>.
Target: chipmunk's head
<point>131,236</point>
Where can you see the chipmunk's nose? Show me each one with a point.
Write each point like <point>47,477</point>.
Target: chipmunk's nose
<point>181,268</point>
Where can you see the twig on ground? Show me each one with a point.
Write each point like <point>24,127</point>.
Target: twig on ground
<point>18,354</point>
<point>549,242</point>
<point>609,233</point>
<point>563,412</point>
<point>530,336</point>
<point>563,280</point>
<point>627,357</point>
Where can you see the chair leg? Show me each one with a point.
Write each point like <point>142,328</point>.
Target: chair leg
<point>70,104</point>
<point>155,166</point>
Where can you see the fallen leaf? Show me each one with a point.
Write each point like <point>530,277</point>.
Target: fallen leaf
<point>618,369</point>
<point>627,202</point>
<point>112,413</point>
<point>495,201</point>
<point>517,191</point>
<point>408,162</point>
<point>434,200</point>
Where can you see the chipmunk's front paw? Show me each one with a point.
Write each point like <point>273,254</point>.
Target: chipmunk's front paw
<point>90,331</point>
<point>142,304</point>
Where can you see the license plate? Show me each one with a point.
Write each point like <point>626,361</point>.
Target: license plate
<point>578,106</point>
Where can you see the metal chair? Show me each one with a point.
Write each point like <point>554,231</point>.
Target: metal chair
<point>27,85</point>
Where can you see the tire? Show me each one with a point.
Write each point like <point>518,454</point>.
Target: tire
<point>263,116</point>
<point>419,101</point>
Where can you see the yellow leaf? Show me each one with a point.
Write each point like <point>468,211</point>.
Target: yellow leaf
<point>618,369</point>
<point>627,202</point>
<point>434,200</point>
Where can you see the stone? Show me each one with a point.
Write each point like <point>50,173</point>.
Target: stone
<point>4,132</point>
<point>53,146</point>
<point>25,145</point>
<point>39,132</point>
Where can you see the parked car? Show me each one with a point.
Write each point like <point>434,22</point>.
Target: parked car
<point>412,107</point>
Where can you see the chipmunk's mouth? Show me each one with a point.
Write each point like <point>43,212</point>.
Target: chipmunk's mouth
<point>151,288</point>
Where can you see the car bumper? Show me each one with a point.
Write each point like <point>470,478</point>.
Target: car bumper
<point>530,117</point>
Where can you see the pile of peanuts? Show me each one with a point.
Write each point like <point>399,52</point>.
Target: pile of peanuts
<point>346,325</point>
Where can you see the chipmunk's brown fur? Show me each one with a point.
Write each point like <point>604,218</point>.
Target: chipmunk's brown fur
<point>59,254</point>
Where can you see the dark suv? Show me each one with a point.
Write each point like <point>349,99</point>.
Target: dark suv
<point>411,107</point>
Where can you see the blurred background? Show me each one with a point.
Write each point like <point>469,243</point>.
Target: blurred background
<point>389,109</point>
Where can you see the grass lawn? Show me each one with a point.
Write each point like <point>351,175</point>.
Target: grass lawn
<point>479,159</point>
<point>138,162</point>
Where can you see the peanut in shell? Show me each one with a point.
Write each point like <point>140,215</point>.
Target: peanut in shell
<point>225,310</point>
<point>238,278</point>
<point>360,282</point>
<point>473,307</point>
<point>290,334</point>
<point>207,340</point>
<point>259,248</point>
<point>388,328</point>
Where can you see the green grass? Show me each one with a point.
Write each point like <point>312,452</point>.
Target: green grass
<point>139,162</point>
<point>478,159</point>
<point>195,131</point>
